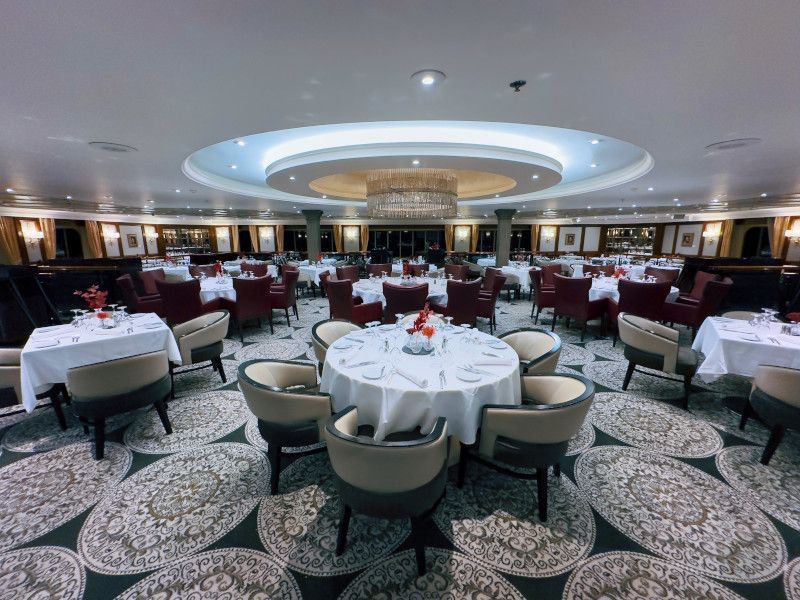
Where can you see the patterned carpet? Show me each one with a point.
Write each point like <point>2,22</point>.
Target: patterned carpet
<point>652,502</point>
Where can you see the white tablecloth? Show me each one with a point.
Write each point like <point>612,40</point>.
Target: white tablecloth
<point>486,262</point>
<point>726,350</point>
<point>217,288</point>
<point>371,290</point>
<point>607,288</point>
<point>43,367</point>
<point>520,272</point>
<point>313,272</point>
<point>397,269</point>
<point>397,404</point>
<point>173,273</point>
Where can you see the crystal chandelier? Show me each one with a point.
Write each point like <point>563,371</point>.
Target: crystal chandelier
<point>412,193</point>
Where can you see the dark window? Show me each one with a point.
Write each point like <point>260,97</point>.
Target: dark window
<point>326,240</point>
<point>756,243</point>
<point>294,240</point>
<point>68,243</point>
<point>486,239</point>
<point>521,240</point>
<point>245,243</point>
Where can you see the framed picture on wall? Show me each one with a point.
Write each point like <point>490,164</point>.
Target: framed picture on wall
<point>569,239</point>
<point>687,240</point>
<point>133,241</point>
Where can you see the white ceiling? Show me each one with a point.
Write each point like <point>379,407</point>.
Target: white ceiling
<point>172,77</point>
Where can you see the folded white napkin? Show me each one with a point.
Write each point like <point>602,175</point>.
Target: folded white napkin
<point>492,362</point>
<point>46,332</point>
<point>422,383</point>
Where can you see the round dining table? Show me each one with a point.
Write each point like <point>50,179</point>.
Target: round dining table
<point>398,391</point>
<point>371,290</point>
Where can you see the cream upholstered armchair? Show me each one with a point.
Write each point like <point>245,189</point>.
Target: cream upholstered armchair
<point>656,346</point>
<point>10,379</point>
<point>534,435</point>
<point>102,390</point>
<point>538,350</point>
<point>200,340</point>
<point>390,480</point>
<point>285,397</point>
<point>775,398</point>
<point>324,333</point>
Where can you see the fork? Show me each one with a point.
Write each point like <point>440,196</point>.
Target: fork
<point>442,380</point>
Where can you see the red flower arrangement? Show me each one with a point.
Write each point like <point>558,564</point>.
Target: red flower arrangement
<point>93,296</point>
<point>618,272</point>
<point>434,246</point>
<point>218,268</point>
<point>421,321</point>
<point>406,268</point>
<point>102,315</point>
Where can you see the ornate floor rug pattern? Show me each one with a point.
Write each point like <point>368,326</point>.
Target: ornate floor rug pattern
<point>652,502</point>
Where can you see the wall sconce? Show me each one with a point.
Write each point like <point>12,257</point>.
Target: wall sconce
<point>711,234</point>
<point>794,233</point>
<point>151,235</point>
<point>31,233</point>
<point>110,235</point>
<point>548,234</point>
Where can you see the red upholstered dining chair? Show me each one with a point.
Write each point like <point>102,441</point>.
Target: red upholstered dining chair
<point>607,270</point>
<point>347,272</point>
<point>487,302</point>
<point>148,280</point>
<point>572,302</point>
<point>135,302</point>
<point>404,298</point>
<point>257,270</point>
<point>377,269</point>
<point>662,275</point>
<point>701,280</point>
<point>284,295</point>
<point>252,302</point>
<point>693,315</point>
<point>340,298</point>
<point>181,301</point>
<point>197,270</point>
<point>417,269</point>
<point>591,270</point>
<point>547,274</point>
<point>459,272</point>
<point>488,280</point>
<point>462,301</point>
<point>638,298</point>
<point>323,282</point>
<point>542,297</point>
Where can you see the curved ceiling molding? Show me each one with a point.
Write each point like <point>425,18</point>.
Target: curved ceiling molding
<point>542,162</point>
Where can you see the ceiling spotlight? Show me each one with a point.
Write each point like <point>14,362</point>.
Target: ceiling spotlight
<point>233,166</point>
<point>177,191</point>
<point>588,208</point>
<point>291,178</point>
<point>678,204</point>
<point>620,208</point>
<point>497,195</point>
<point>188,207</point>
<point>593,166</point>
<point>428,77</point>
<point>594,142</point>
<point>415,162</point>
<point>715,200</point>
<point>650,189</point>
<point>633,206</point>
<point>230,208</point>
<point>676,199</point>
<point>239,142</point>
<point>9,190</point>
<point>69,197</point>
<point>535,177</point>
<point>324,196</point>
<point>763,195</point>
<point>151,201</point>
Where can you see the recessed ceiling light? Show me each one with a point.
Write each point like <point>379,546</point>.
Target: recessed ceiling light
<point>428,77</point>
<point>485,216</point>
<point>151,201</point>
<point>199,210</point>
<point>108,196</point>
<point>177,191</point>
<point>715,200</point>
<point>324,196</point>
<point>69,197</point>
<point>497,195</point>
<point>633,206</point>
<point>593,166</point>
<point>763,195</point>
<point>9,190</point>
<point>650,189</point>
<point>620,208</point>
<point>233,166</point>
<point>291,178</point>
<point>230,208</point>
<point>676,199</point>
<point>188,207</point>
<point>298,212</point>
<point>594,142</point>
<point>589,208</point>
<point>678,204</point>
<point>535,177</point>
<point>523,206</point>
<point>415,162</point>
<point>239,142</point>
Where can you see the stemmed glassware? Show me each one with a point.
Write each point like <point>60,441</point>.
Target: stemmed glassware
<point>449,320</point>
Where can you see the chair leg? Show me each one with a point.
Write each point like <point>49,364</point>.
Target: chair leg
<point>614,343</point>
<point>274,458</point>
<point>541,492</point>
<point>286,310</point>
<point>161,408</point>
<point>294,308</point>
<point>583,330</point>
<point>746,412</point>
<point>557,469</point>
<point>419,544</point>
<point>566,323</point>
<point>553,327</point>
<point>239,329</point>
<point>462,466</point>
<point>217,362</point>
<point>99,438</point>
<point>775,438</point>
<point>171,382</point>
<point>687,388</point>
<point>271,328</point>
<point>55,400</point>
<point>344,523</point>
<point>628,375</point>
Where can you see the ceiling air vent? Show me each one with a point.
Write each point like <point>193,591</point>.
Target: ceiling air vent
<point>112,147</point>
<point>679,216</point>
<point>733,144</point>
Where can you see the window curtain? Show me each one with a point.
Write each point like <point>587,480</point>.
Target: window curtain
<point>449,235</point>
<point>94,237</point>
<point>473,238</point>
<point>9,246</point>
<point>279,238</point>
<point>364,233</point>
<point>535,238</point>
<point>777,229</point>
<point>337,238</point>
<point>48,227</point>
<point>234,238</point>
<point>254,241</point>
<point>726,238</point>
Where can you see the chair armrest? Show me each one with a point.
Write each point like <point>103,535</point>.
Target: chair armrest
<point>357,300</point>
<point>679,313</point>
<point>211,305</point>
<point>687,300</point>
<point>364,313</point>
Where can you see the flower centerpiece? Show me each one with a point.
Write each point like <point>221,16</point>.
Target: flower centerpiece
<point>218,269</point>
<point>619,272</point>
<point>95,299</point>
<point>421,332</point>
<point>406,268</point>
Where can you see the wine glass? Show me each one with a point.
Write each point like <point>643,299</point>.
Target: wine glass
<point>399,322</point>
<point>75,312</point>
<point>449,320</point>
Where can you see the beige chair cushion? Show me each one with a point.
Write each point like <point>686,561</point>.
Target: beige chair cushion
<point>384,469</point>
<point>10,378</point>
<point>530,345</point>
<point>649,336</point>
<point>118,376</point>
<point>203,331</point>
<point>10,356</point>
<point>328,332</point>
<point>779,382</point>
